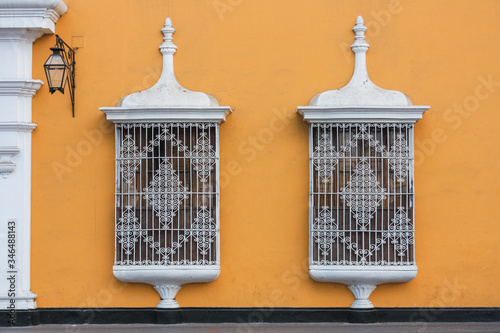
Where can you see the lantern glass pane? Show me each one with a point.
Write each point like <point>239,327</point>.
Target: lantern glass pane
<point>56,71</point>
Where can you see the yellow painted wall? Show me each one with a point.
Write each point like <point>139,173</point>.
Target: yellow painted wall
<point>264,58</point>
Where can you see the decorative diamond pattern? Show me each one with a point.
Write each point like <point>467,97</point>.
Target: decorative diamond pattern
<point>165,193</point>
<point>363,193</point>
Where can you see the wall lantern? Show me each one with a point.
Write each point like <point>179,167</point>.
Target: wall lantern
<point>60,67</point>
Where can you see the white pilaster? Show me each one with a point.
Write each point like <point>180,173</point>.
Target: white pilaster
<point>21,23</point>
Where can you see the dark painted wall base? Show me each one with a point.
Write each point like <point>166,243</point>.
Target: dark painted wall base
<point>47,316</point>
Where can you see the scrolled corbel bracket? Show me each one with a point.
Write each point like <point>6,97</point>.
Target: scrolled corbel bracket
<point>6,164</point>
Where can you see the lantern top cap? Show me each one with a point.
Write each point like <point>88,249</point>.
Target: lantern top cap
<point>360,91</point>
<point>167,92</point>
<point>56,49</point>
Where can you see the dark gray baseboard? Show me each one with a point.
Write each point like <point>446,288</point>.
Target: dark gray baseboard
<point>75,316</point>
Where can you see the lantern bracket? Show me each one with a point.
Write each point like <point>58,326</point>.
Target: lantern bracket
<point>68,54</point>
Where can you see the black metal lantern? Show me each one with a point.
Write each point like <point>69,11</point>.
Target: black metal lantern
<point>56,70</point>
<point>60,67</point>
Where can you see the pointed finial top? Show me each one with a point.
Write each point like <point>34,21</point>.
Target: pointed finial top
<point>359,45</point>
<point>168,47</point>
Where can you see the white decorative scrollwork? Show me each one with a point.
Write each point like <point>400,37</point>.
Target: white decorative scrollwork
<point>164,136</point>
<point>325,157</point>
<point>164,251</point>
<point>128,230</point>
<point>363,193</point>
<point>129,159</point>
<point>324,230</point>
<point>203,157</point>
<point>363,254</point>
<point>399,157</point>
<point>401,232</point>
<point>203,230</point>
<point>165,193</point>
<point>362,134</point>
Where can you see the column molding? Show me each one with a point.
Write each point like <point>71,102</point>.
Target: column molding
<point>21,23</point>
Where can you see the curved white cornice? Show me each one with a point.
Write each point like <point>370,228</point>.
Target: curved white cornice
<point>31,14</point>
<point>25,88</point>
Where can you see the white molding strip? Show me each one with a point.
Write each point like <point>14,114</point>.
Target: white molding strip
<point>393,114</point>
<point>183,114</point>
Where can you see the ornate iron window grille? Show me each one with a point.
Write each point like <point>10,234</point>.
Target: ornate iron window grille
<point>361,194</point>
<point>167,199</point>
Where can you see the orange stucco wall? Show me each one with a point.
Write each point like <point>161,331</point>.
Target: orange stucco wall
<point>264,58</point>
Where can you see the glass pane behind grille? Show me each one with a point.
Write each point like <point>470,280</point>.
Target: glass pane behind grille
<point>167,194</point>
<point>361,194</point>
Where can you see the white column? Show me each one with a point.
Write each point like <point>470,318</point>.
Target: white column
<point>21,23</point>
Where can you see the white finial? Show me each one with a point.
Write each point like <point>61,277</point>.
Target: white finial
<point>359,45</point>
<point>360,91</point>
<point>167,92</point>
<point>168,47</point>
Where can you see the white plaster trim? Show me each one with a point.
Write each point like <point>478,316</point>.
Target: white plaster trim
<point>40,15</point>
<point>23,300</point>
<point>361,292</point>
<point>167,293</point>
<point>346,114</point>
<point>375,275</point>
<point>26,88</point>
<point>17,127</point>
<point>167,280</point>
<point>181,114</point>
<point>362,280</point>
<point>6,164</point>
